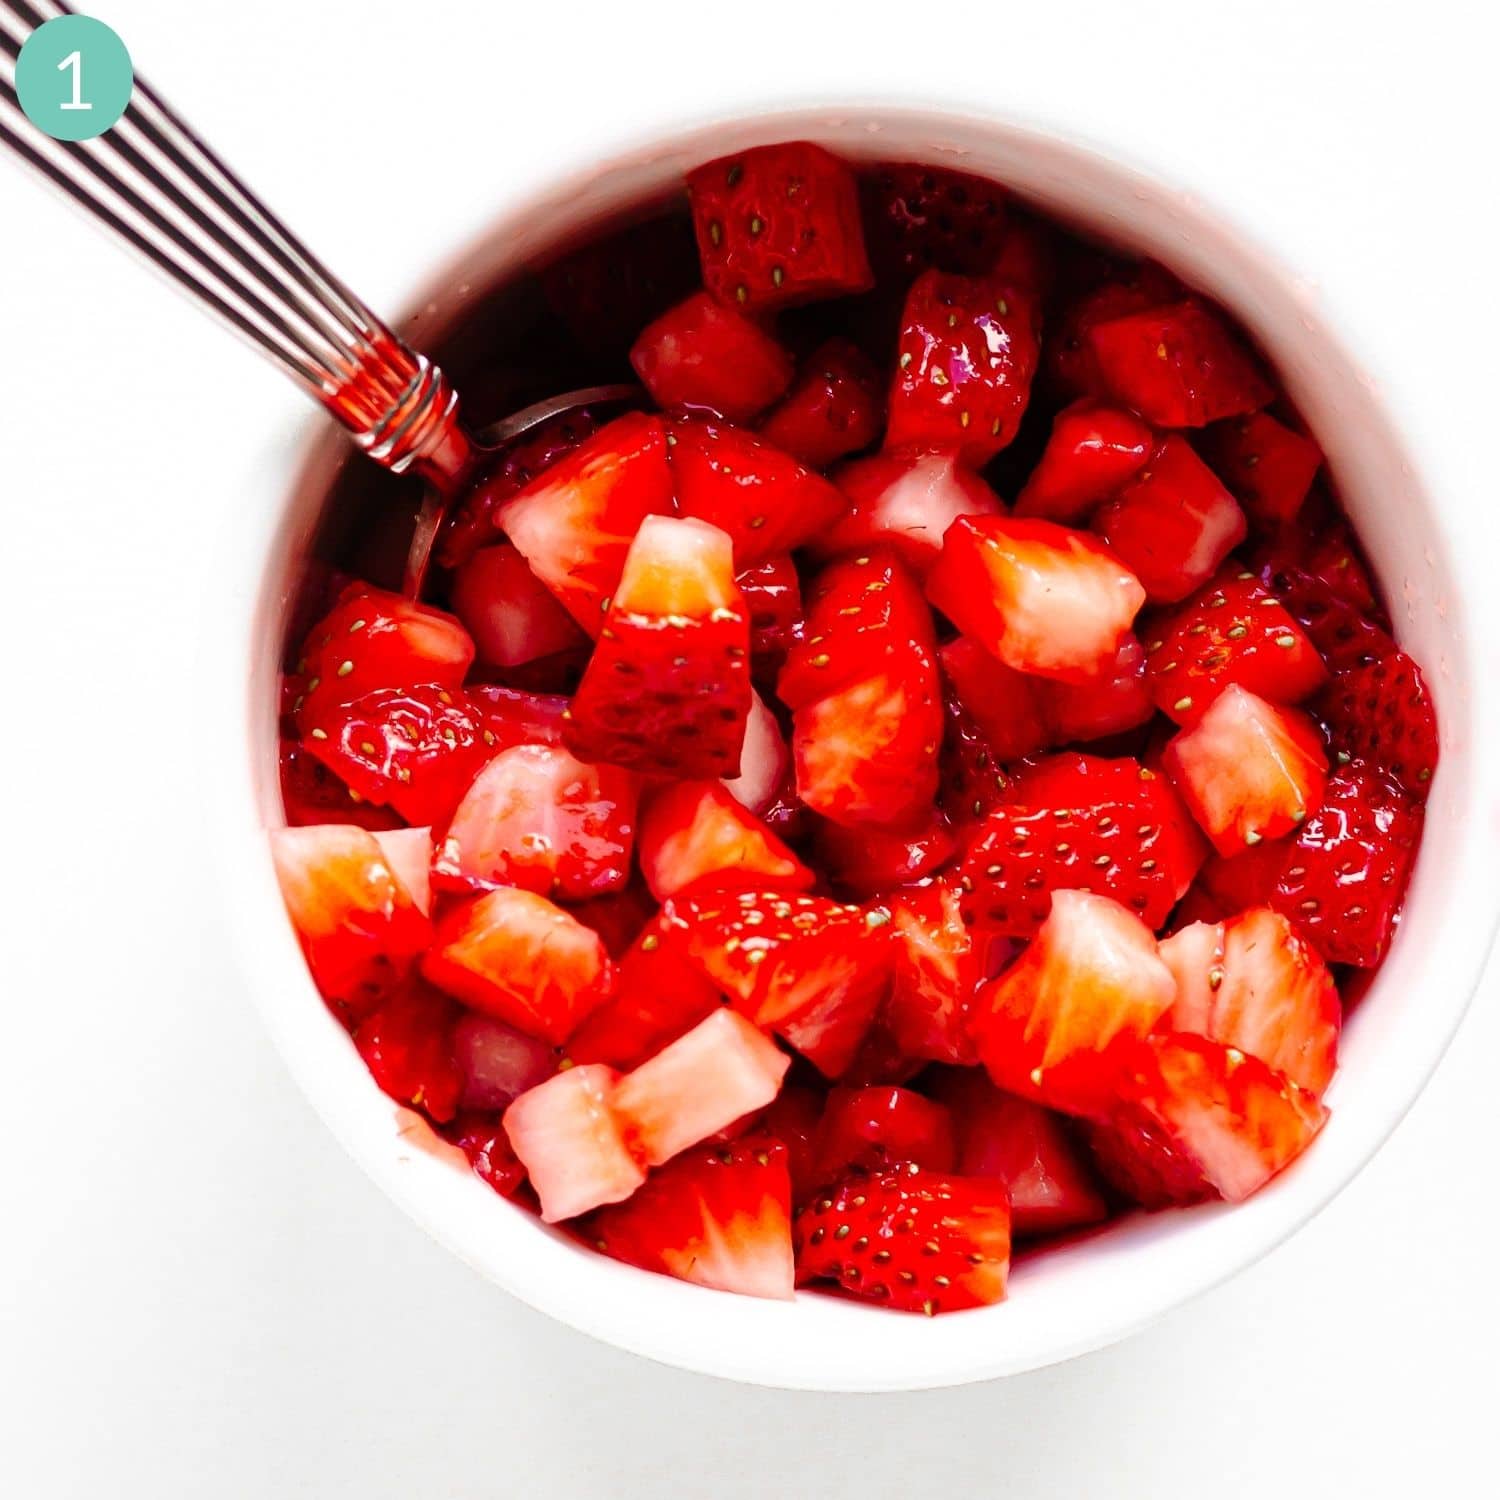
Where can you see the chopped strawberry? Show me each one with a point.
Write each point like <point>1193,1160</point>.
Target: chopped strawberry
<point>1173,524</point>
<point>498,1062</point>
<point>1248,770</point>
<point>1343,879</point>
<point>709,357</point>
<point>370,640</point>
<point>910,1239</point>
<point>619,918</point>
<point>865,861</point>
<point>1178,366</point>
<point>1007,705</point>
<point>1381,712</point>
<point>965,359</point>
<point>835,406</point>
<point>765,762</point>
<point>1026,1147</point>
<point>767,502</point>
<point>1084,824</point>
<point>521,717</point>
<point>1232,633</point>
<point>778,224</point>
<point>1267,465</point>
<point>697,828</point>
<point>1254,984</point>
<point>934,973</point>
<point>1093,451</point>
<point>1243,880</point>
<point>574,523</point>
<point>515,956</point>
<point>1041,598</point>
<point>408,851</point>
<point>879,1127</point>
<point>921,218</point>
<point>407,1044</point>
<point>973,779</point>
<point>1071,368</point>
<point>511,614</point>
<point>668,688</point>
<point>1115,701</point>
<point>1199,1120</point>
<point>358,926</point>
<point>538,818</point>
<point>773,596</point>
<point>718,1216</point>
<point>573,1145</point>
<point>792,1121</point>
<point>311,794</point>
<point>482,1138</point>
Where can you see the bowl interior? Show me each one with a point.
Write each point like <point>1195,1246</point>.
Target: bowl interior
<point>1074,1297</point>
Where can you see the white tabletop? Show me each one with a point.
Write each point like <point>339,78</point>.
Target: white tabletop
<point>199,1294</point>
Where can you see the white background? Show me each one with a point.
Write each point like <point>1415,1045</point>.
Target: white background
<point>199,1294</point>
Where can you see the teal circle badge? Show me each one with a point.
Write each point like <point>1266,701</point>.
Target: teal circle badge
<point>73,78</point>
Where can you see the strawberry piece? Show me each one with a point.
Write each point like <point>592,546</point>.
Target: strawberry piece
<point>1050,1028</point>
<point>519,717</point>
<point>1232,633</point>
<point>765,761</point>
<point>498,1062</point>
<point>1041,598</point>
<point>1080,823</point>
<point>1173,524</point>
<point>515,956</point>
<point>1118,699</point>
<point>1248,770</point>
<point>1381,712</point>
<point>834,407</point>
<point>1243,880</point>
<point>965,358</point>
<point>1026,1147</point>
<point>973,780</point>
<point>359,929</point>
<point>697,828</point>
<point>921,218</point>
<point>698,1085</point>
<point>667,690</point>
<point>1006,705</point>
<point>865,861</point>
<point>719,1216</point>
<point>773,597</point>
<point>482,1138</point>
<point>810,969</point>
<point>767,502</point>
<point>904,501</point>
<point>537,818</point>
<point>1092,451</point>
<point>571,1142</point>
<point>910,1239</point>
<point>706,356</point>
<point>1071,368</point>
<point>311,794</point>
<point>1343,880</point>
<point>879,1127</point>
<point>778,224</point>
<point>370,640</point>
<point>1178,366</point>
<point>1254,984</point>
<point>408,851</point>
<point>1199,1120</point>
<point>510,613</point>
<point>1269,467</point>
<point>407,1044</point>
<point>575,523</point>
<point>934,973</point>
<point>792,1122</point>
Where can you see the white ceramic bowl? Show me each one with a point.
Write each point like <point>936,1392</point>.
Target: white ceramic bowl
<point>1082,1296</point>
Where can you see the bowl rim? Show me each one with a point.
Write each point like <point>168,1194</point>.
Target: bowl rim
<point>737,1338</point>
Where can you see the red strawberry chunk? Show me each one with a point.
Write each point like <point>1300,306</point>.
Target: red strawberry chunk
<point>910,1239</point>
<point>311,793</point>
<point>792,1122</point>
<point>1178,366</point>
<point>1116,700</point>
<point>965,359</point>
<point>519,717</point>
<point>1041,598</point>
<point>767,501</point>
<point>1093,450</point>
<point>934,974</point>
<point>498,1062</point>
<point>1248,770</point>
<point>482,1138</point>
<point>1080,823</point>
<point>370,640</point>
<point>1173,524</point>
<point>515,956</point>
<point>1267,465</point>
<point>920,217</point>
<point>1200,1120</point>
<point>1243,880</point>
<point>407,1044</point>
<point>1028,1148</point>
<point>778,224</point>
<point>575,523</point>
<point>1071,367</point>
<point>835,406</point>
<point>765,761</point>
<point>718,1216</point>
<point>703,355</point>
<point>1233,633</point>
<point>1091,979</point>
<point>865,861</point>
<point>1320,545</point>
<point>408,851</point>
<point>668,687</point>
<point>1254,984</point>
<point>773,597</point>
<point>537,818</point>
<point>1006,705</point>
<point>511,614</point>
<point>881,1126</point>
<point>1343,879</point>
<point>697,828</point>
<point>358,926</point>
<point>1381,712</point>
